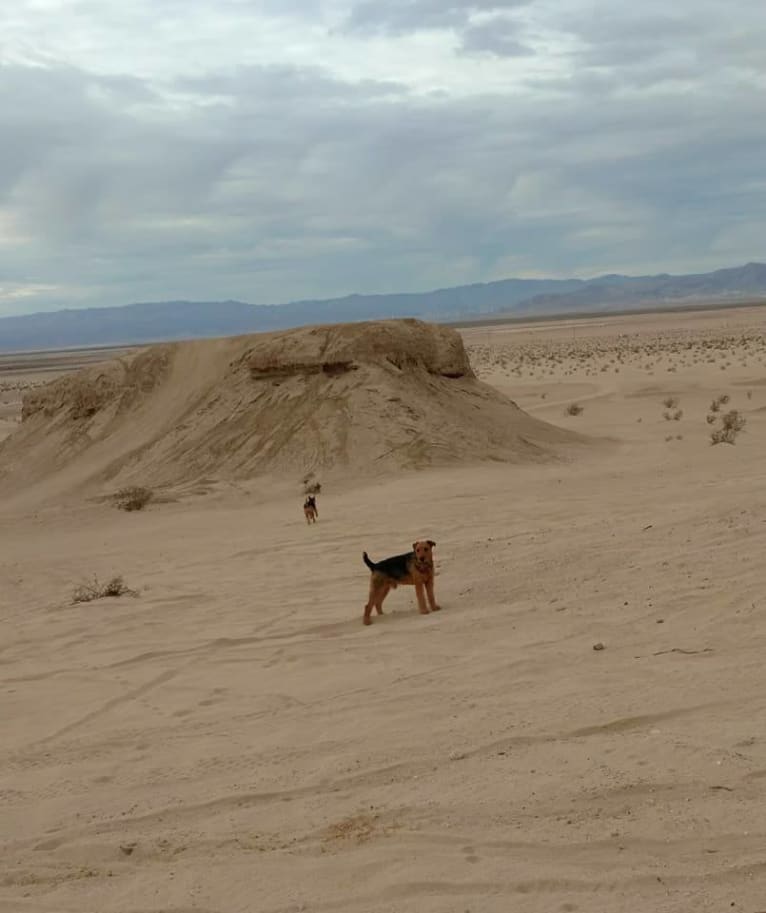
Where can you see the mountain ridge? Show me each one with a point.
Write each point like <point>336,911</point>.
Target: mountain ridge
<point>158,321</point>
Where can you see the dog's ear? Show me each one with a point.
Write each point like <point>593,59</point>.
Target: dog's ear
<point>431,543</point>
<point>414,546</point>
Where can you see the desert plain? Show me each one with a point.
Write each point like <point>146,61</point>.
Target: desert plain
<point>580,729</point>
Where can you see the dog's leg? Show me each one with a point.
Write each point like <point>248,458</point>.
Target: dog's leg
<point>383,592</point>
<point>420,593</point>
<point>371,600</point>
<point>431,597</point>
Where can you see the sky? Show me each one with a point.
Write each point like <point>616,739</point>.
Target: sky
<point>274,150</point>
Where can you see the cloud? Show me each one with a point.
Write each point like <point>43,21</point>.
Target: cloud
<point>696,37</point>
<point>389,157</point>
<point>396,17</point>
<point>498,36</point>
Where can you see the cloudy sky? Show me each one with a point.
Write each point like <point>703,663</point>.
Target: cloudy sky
<point>269,150</point>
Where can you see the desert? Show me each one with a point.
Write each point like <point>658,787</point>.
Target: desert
<point>577,730</point>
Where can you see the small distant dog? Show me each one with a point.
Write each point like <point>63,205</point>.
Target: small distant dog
<point>416,568</point>
<point>310,510</point>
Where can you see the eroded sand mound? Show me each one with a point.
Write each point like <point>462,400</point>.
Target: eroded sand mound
<point>362,397</point>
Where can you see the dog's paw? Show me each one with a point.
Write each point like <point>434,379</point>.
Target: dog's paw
<point>367,621</point>
<point>436,608</point>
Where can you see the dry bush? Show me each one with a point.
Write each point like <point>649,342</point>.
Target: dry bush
<point>710,418</point>
<point>574,409</point>
<point>667,416</point>
<point>134,497</point>
<point>677,415</point>
<point>733,422</point>
<point>670,402</point>
<point>720,437</point>
<point>749,394</point>
<point>719,401</point>
<point>94,589</point>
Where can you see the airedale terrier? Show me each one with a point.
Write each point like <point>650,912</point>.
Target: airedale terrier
<point>310,510</point>
<point>416,568</point>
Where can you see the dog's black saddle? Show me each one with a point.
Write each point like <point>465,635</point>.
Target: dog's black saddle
<point>396,567</point>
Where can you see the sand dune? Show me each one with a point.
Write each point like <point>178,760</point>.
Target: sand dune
<point>354,398</point>
<point>234,739</point>
<point>22,373</point>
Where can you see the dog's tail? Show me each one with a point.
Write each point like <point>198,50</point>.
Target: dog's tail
<point>366,559</point>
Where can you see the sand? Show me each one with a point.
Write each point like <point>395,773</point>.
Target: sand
<point>364,399</point>
<point>24,372</point>
<point>234,739</point>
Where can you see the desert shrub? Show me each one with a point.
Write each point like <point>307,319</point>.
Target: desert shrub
<point>670,402</point>
<point>94,589</point>
<point>677,415</point>
<point>310,484</point>
<point>574,409</point>
<point>710,418</point>
<point>732,423</point>
<point>719,401</point>
<point>135,497</point>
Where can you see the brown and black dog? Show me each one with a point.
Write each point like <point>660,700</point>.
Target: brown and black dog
<point>416,568</point>
<point>310,510</point>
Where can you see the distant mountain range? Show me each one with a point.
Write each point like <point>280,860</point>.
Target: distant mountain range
<point>168,320</point>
